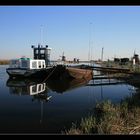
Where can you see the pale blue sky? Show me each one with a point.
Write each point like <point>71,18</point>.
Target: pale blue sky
<point>69,29</point>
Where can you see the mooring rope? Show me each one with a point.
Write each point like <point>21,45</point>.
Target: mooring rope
<point>49,75</point>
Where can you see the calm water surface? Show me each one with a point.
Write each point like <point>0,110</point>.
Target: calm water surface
<point>59,103</point>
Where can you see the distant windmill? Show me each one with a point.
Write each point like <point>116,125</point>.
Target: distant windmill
<point>63,57</point>
<point>134,52</point>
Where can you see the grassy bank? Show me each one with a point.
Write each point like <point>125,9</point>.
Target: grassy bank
<point>129,65</point>
<point>110,119</point>
<point>4,62</point>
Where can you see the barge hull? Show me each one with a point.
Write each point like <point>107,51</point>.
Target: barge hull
<point>21,73</point>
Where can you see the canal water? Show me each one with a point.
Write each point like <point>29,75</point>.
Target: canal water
<point>32,106</point>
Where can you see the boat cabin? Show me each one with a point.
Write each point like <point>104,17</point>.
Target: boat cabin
<point>42,53</point>
<point>27,63</point>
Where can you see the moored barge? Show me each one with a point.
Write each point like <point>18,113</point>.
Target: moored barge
<point>41,67</point>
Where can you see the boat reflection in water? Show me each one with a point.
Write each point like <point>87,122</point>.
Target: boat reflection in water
<point>63,85</point>
<point>36,87</point>
<point>41,91</point>
<point>33,87</point>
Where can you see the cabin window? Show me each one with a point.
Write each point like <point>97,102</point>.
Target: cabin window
<point>43,64</point>
<point>34,88</point>
<point>24,63</point>
<point>43,86</point>
<point>34,64</point>
<point>39,88</point>
<point>14,90</point>
<point>42,51</point>
<point>14,63</point>
<point>24,90</point>
<point>36,51</point>
<point>39,64</point>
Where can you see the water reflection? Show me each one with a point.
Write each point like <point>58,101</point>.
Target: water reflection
<point>51,106</point>
<point>44,93</point>
<point>35,87</point>
<point>63,85</point>
<point>25,86</point>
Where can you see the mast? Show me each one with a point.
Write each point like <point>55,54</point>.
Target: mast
<point>102,53</point>
<point>41,35</point>
<point>41,52</point>
<point>89,52</point>
<point>41,117</point>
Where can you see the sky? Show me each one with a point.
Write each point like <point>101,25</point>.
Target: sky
<point>78,31</point>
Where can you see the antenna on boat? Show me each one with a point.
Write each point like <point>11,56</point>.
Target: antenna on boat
<point>89,53</point>
<point>41,102</point>
<point>41,36</point>
<point>102,54</point>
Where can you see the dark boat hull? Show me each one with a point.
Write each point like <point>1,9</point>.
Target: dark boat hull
<point>62,71</point>
<point>23,73</point>
<point>56,72</point>
<point>78,73</point>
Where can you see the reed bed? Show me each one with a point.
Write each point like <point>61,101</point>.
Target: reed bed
<point>4,62</point>
<point>108,118</point>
